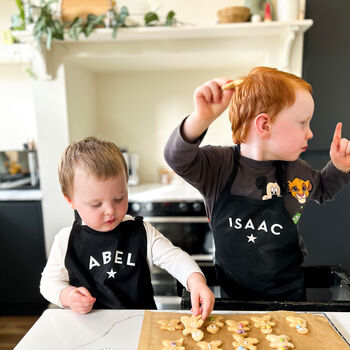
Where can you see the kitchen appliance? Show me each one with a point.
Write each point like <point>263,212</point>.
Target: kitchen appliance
<point>178,212</point>
<point>132,161</point>
<point>18,169</point>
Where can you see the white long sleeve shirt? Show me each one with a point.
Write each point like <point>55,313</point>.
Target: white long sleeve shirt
<point>160,252</point>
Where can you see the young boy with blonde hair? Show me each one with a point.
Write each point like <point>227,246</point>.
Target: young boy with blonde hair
<point>104,259</point>
<point>255,192</point>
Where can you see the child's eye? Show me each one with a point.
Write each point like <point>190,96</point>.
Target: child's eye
<point>96,205</point>
<point>117,200</point>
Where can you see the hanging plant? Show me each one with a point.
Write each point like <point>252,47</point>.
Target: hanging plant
<point>18,20</point>
<point>46,26</point>
<point>78,25</point>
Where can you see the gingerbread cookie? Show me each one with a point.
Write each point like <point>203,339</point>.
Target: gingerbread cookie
<point>192,325</point>
<point>240,327</point>
<point>215,324</point>
<point>280,342</point>
<point>242,343</point>
<point>213,345</point>
<point>263,323</point>
<point>173,344</point>
<point>170,325</point>
<point>298,323</point>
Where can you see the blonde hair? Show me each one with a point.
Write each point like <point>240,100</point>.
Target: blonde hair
<point>102,159</point>
<point>264,90</point>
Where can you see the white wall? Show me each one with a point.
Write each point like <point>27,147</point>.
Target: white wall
<point>17,117</point>
<point>139,110</point>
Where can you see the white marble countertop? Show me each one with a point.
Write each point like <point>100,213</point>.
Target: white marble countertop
<point>179,191</point>
<point>21,195</point>
<point>60,329</point>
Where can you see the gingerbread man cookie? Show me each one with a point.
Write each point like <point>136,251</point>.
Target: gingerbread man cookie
<point>239,327</point>
<point>280,342</point>
<point>170,325</point>
<point>192,325</point>
<point>215,324</point>
<point>298,323</point>
<point>213,345</point>
<point>173,344</point>
<point>264,323</point>
<point>242,343</point>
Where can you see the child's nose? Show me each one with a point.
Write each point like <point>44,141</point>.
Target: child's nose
<point>309,134</point>
<point>109,210</point>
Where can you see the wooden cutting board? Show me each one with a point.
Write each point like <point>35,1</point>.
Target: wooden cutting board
<point>321,336</point>
<point>81,8</point>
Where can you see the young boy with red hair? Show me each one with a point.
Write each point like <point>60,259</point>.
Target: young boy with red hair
<point>255,192</point>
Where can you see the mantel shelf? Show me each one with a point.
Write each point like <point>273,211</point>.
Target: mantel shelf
<point>165,47</point>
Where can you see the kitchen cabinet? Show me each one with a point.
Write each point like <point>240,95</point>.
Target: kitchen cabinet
<point>326,67</point>
<point>22,257</point>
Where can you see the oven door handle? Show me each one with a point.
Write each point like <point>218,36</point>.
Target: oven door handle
<point>176,219</point>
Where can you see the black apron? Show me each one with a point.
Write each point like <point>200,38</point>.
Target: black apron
<point>257,254</point>
<point>111,265</point>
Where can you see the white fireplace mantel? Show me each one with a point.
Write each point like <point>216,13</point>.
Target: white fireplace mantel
<point>277,44</point>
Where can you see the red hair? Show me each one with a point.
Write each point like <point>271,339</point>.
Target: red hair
<point>264,90</point>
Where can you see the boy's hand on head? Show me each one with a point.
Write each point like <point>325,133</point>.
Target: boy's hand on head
<point>209,99</point>
<point>340,150</point>
<point>78,299</point>
<point>202,298</point>
<point>209,102</point>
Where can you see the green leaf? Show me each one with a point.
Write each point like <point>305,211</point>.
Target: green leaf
<point>57,30</point>
<point>124,13</point>
<point>31,73</point>
<point>115,32</point>
<point>170,18</point>
<point>151,17</point>
<point>21,10</point>
<point>17,22</point>
<point>48,39</point>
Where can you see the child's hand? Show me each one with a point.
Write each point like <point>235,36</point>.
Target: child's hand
<point>209,99</point>
<point>202,298</point>
<point>209,102</point>
<point>78,299</point>
<point>340,151</point>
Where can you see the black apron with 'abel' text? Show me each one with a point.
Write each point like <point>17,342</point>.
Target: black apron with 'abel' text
<point>111,265</point>
<point>257,254</point>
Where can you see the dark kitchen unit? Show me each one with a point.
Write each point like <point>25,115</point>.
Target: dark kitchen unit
<point>178,213</point>
<point>326,228</point>
<point>22,257</point>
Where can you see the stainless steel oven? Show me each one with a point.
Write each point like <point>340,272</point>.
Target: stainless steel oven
<point>183,220</point>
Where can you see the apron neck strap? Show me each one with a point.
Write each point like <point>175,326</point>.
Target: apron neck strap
<point>77,217</point>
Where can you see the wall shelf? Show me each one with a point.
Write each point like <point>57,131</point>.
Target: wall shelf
<point>157,48</point>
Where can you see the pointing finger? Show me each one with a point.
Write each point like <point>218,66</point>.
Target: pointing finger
<point>337,134</point>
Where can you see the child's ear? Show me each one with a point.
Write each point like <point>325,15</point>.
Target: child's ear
<point>262,125</point>
<point>70,202</point>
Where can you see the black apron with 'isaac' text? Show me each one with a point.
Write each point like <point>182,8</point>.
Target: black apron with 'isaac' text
<point>257,254</point>
<point>111,265</point>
